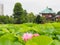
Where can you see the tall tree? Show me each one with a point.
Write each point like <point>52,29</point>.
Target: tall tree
<point>18,12</point>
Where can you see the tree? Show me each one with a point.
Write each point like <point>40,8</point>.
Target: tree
<point>30,17</point>
<point>6,19</point>
<point>39,19</point>
<point>11,20</point>
<point>17,13</point>
<point>58,13</point>
<point>24,16</point>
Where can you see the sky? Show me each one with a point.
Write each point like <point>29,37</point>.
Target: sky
<point>34,6</point>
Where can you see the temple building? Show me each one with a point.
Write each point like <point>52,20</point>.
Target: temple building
<point>48,13</point>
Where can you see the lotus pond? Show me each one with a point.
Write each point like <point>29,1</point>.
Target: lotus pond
<point>30,34</point>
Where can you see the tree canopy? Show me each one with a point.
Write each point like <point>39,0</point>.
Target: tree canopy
<point>58,13</point>
<point>18,12</point>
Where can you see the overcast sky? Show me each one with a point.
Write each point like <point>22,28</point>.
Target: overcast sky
<point>34,6</point>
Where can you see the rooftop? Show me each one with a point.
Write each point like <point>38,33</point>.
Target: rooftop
<point>47,10</point>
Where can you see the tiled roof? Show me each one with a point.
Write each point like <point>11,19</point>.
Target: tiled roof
<point>47,10</point>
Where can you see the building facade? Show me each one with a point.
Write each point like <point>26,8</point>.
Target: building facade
<point>48,13</point>
<point>1,9</point>
<point>57,18</point>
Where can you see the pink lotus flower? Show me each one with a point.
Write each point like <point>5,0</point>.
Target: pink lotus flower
<point>27,36</point>
<point>36,34</point>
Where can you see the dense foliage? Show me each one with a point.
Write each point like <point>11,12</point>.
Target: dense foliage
<point>20,16</point>
<point>11,34</point>
<point>6,19</point>
<point>18,12</point>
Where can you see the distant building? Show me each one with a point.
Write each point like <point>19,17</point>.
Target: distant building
<point>1,9</point>
<point>48,13</point>
<point>57,17</point>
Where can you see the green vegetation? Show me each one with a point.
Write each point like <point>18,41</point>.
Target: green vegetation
<point>18,13</point>
<point>12,29</point>
<point>21,16</point>
<point>11,34</point>
<point>41,40</point>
